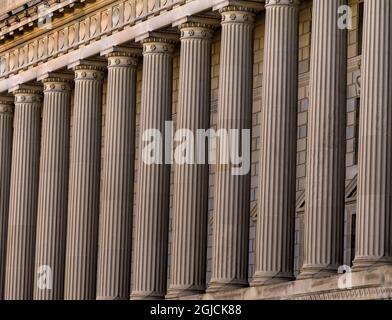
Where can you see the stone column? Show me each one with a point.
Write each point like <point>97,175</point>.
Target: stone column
<point>53,190</point>
<point>6,129</point>
<point>374,210</point>
<point>114,255</point>
<point>325,185</point>
<point>152,202</point>
<point>23,194</point>
<point>275,223</point>
<point>188,254</point>
<point>84,182</point>
<point>232,192</point>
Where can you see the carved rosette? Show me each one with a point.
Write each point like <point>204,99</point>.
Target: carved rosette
<point>56,85</point>
<point>88,72</point>
<point>6,108</point>
<point>193,30</point>
<point>28,96</point>
<point>237,14</point>
<point>158,45</point>
<point>122,59</point>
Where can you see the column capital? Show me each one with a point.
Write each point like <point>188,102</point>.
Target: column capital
<point>55,82</point>
<point>237,14</point>
<point>6,105</point>
<point>88,69</point>
<point>27,93</point>
<point>158,45</point>
<point>158,42</point>
<point>193,30</point>
<point>121,56</point>
<point>279,3</point>
<point>197,27</point>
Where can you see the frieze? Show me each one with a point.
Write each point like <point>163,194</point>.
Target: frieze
<point>81,32</point>
<point>354,294</point>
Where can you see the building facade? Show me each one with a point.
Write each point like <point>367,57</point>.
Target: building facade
<point>82,216</point>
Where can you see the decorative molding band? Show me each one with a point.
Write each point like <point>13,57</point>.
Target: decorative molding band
<point>33,15</point>
<point>374,283</point>
<point>81,32</point>
<point>354,294</point>
<point>63,45</point>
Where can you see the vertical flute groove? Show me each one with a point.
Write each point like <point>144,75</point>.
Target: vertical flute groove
<point>53,189</point>
<point>23,196</point>
<point>232,192</point>
<point>114,256</point>
<point>275,224</point>
<point>374,218</point>
<point>152,201</point>
<point>191,180</point>
<point>6,131</point>
<point>84,186</point>
<point>324,214</point>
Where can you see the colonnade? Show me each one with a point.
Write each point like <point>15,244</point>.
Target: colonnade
<point>53,214</point>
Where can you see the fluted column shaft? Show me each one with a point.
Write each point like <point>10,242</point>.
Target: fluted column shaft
<point>114,256</point>
<point>232,192</point>
<point>324,214</point>
<point>23,196</point>
<point>275,223</point>
<point>53,191</point>
<point>84,182</point>
<point>152,202</point>
<point>374,217</point>
<point>188,254</point>
<point>6,130</point>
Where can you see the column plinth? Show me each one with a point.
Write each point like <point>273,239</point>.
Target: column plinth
<point>232,192</point>
<point>325,183</point>
<point>84,185</point>
<point>374,218</point>
<point>6,130</point>
<point>188,254</point>
<point>114,256</point>
<point>152,202</point>
<point>53,190</point>
<point>275,221</point>
<point>19,280</point>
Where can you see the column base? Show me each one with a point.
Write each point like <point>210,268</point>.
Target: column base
<point>176,292</point>
<point>226,285</point>
<point>147,295</point>
<point>103,298</point>
<point>367,263</point>
<point>267,278</point>
<point>317,271</point>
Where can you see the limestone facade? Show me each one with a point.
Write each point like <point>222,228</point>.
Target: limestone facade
<point>81,81</point>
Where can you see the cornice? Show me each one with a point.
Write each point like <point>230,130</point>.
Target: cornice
<point>91,27</point>
<point>117,24</point>
<point>31,13</point>
<point>59,19</point>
